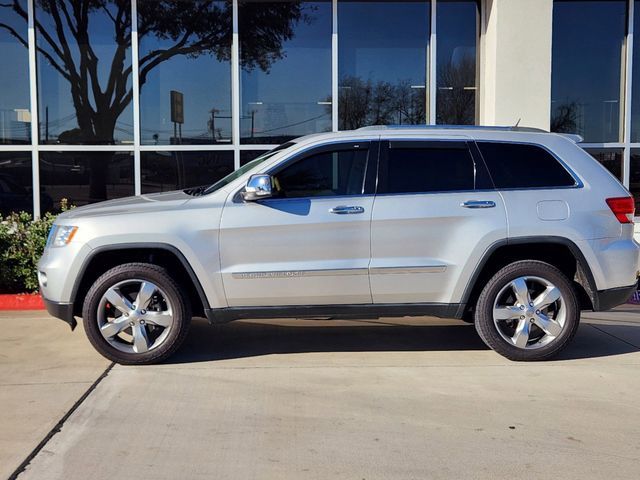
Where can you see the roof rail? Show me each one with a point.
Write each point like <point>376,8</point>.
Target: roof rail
<point>454,127</point>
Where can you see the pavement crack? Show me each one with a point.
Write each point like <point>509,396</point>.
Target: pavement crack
<point>58,426</point>
<point>617,338</point>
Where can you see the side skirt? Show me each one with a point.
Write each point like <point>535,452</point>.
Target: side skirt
<point>364,311</point>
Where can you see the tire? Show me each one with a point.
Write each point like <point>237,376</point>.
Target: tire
<point>527,333</point>
<point>148,333</point>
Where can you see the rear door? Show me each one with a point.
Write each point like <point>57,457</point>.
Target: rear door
<point>434,215</point>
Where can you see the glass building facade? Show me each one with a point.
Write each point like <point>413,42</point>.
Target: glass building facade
<point>100,100</point>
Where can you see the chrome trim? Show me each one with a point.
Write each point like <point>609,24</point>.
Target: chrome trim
<point>347,210</point>
<point>478,204</point>
<point>404,270</point>
<point>299,273</point>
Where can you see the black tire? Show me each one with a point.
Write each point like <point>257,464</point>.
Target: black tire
<point>148,272</point>
<point>487,329</point>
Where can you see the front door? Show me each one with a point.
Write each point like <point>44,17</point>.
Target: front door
<point>309,245</point>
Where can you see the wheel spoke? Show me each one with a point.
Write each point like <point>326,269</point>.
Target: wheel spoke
<point>546,298</point>
<point>115,298</point>
<point>111,329</point>
<point>521,337</point>
<point>147,289</point>
<point>162,319</point>
<point>519,286</point>
<point>506,313</point>
<point>548,325</point>
<point>140,338</point>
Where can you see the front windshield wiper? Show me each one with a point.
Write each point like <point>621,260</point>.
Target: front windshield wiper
<point>196,191</point>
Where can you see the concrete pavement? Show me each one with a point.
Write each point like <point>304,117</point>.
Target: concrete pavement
<point>402,398</point>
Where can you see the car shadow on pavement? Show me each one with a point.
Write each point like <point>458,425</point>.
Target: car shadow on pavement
<point>243,339</point>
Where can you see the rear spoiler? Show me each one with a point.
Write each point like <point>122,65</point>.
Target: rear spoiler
<point>574,137</point>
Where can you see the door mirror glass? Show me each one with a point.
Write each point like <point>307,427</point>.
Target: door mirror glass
<point>258,187</point>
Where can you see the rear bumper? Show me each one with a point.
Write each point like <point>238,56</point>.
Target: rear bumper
<point>607,299</point>
<point>63,311</point>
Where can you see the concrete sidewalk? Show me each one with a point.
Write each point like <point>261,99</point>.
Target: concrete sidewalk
<point>403,398</point>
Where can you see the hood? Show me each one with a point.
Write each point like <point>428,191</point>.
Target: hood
<point>154,202</point>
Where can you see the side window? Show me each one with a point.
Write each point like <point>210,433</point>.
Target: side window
<point>514,165</point>
<point>330,173</point>
<point>412,168</point>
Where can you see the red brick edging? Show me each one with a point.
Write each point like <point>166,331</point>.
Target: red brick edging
<point>21,301</point>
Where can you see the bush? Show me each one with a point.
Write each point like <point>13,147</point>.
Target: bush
<point>22,242</point>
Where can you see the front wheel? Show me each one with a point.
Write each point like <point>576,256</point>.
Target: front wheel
<point>528,311</point>
<point>136,314</point>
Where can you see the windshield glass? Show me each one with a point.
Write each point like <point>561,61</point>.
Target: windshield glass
<point>244,169</point>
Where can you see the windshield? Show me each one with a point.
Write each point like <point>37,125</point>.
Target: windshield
<point>244,169</point>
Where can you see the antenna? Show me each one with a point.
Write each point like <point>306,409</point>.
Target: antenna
<point>517,123</point>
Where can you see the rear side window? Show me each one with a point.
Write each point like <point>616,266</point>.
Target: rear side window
<point>410,168</point>
<point>514,165</point>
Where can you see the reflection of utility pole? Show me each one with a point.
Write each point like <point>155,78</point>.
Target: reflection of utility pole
<point>46,124</point>
<point>212,123</point>
<point>253,121</point>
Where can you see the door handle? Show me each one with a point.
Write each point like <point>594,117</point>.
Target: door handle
<point>478,204</point>
<point>346,210</point>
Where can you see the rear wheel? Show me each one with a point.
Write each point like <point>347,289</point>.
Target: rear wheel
<point>136,314</point>
<point>527,311</point>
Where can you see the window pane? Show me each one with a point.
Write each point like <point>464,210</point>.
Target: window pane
<point>247,155</point>
<point>201,76</point>
<point>165,171</point>
<point>612,159</point>
<point>634,180</point>
<point>84,177</point>
<point>15,183</point>
<point>586,84</point>
<point>285,55</point>
<point>523,166</point>
<point>383,52</point>
<point>84,71</point>
<point>423,170</point>
<point>635,97</point>
<point>15,115</point>
<point>325,174</point>
<point>457,22</point>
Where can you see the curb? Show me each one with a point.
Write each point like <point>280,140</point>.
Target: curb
<point>21,301</point>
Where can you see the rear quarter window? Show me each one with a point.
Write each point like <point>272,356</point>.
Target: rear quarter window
<point>514,165</point>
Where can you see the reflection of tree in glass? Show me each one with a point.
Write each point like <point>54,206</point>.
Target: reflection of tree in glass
<point>195,28</point>
<point>456,105</point>
<point>564,118</point>
<point>382,103</point>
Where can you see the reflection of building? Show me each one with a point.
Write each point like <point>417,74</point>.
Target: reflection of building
<point>298,67</point>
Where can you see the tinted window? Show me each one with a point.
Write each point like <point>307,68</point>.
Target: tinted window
<point>433,169</point>
<point>325,174</point>
<point>523,166</point>
<point>15,183</point>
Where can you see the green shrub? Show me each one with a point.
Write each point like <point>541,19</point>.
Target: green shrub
<point>22,242</point>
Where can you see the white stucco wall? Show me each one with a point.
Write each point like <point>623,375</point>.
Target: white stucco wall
<point>515,72</point>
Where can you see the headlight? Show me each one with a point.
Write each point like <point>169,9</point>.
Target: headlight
<point>61,235</point>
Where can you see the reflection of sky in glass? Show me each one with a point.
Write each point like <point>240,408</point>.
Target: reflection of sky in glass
<point>586,72</point>
<point>386,41</point>
<point>284,101</point>
<point>54,91</point>
<point>206,85</point>
<point>14,78</point>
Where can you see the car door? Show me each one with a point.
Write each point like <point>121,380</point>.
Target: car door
<point>310,244</point>
<point>434,215</point>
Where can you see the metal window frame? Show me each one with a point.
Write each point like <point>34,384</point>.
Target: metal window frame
<point>136,147</point>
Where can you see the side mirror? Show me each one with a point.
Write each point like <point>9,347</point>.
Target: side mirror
<point>258,187</point>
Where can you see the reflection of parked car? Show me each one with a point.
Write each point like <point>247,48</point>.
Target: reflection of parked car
<point>15,198</point>
<point>517,231</point>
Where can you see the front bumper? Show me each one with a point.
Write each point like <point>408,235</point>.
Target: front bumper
<point>607,299</point>
<point>63,311</point>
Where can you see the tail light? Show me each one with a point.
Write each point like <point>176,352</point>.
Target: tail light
<point>623,208</point>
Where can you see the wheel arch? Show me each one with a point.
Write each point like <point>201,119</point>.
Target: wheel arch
<point>559,251</point>
<point>168,256</point>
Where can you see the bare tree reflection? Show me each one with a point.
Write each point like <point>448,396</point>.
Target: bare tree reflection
<point>194,28</point>
<point>564,118</point>
<point>456,94</point>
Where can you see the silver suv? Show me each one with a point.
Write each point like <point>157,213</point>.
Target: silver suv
<point>513,229</point>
